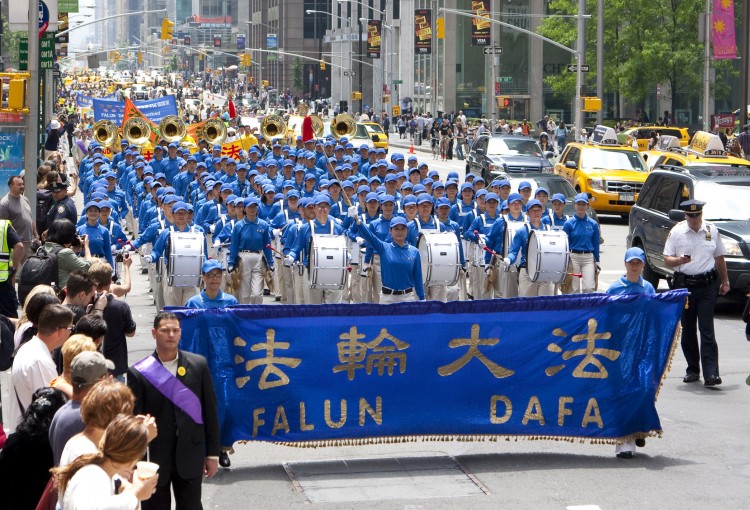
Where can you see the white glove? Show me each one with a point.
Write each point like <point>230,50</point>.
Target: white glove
<point>217,244</point>
<point>127,247</point>
<point>276,232</point>
<point>360,240</point>
<point>482,240</point>
<point>288,261</point>
<point>211,228</point>
<point>114,247</point>
<point>506,262</point>
<point>352,212</point>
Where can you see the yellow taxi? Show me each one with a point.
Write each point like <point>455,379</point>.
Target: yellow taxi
<point>377,134</point>
<point>705,152</point>
<point>612,174</point>
<point>638,137</point>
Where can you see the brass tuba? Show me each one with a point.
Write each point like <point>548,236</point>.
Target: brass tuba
<point>105,133</point>
<point>214,131</point>
<point>172,129</point>
<point>318,126</point>
<point>303,109</point>
<point>272,126</point>
<point>343,125</point>
<point>136,130</point>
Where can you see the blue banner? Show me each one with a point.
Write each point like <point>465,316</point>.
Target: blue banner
<point>153,109</point>
<point>84,101</point>
<point>11,156</point>
<point>550,367</point>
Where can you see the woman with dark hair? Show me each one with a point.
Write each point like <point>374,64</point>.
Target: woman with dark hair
<point>61,235</point>
<point>26,459</point>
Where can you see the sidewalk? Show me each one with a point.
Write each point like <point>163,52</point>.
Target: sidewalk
<point>396,144</point>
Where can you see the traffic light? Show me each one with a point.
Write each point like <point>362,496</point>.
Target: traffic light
<point>17,94</point>
<point>356,96</point>
<point>217,41</point>
<point>440,28</point>
<point>245,60</point>
<point>503,101</point>
<point>140,57</point>
<point>591,104</point>
<point>322,66</point>
<point>264,83</point>
<point>386,98</point>
<point>167,29</point>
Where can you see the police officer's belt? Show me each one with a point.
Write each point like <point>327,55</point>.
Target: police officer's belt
<point>682,279</point>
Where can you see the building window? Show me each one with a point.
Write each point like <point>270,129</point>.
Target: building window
<point>316,24</point>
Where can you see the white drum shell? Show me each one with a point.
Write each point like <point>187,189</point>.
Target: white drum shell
<point>441,259</point>
<point>185,259</point>
<point>547,256</point>
<point>329,259</point>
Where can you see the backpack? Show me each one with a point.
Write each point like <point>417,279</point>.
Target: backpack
<point>43,204</point>
<point>7,346</point>
<point>39,269</point>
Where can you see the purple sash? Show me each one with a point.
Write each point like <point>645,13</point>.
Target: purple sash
<point>171,387</point>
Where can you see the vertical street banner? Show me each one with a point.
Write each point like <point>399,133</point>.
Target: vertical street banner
<point>423,31</point>
<point>722,30</point>
<point>240,42</point>
<point>374,37</point>
<point>480,28</point>
<point>11,156</point>
<point>581,367</point>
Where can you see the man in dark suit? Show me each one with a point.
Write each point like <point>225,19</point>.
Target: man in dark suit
<point>187,445</point>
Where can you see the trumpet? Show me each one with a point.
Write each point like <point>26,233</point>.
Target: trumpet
<point>136,131</point>
<point>272,126</point>
<point>105,133</point>
<point>214,131</point>
<point>172,128</point>
<point>343,125</point>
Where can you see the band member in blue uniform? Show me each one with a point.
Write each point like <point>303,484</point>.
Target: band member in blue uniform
<point>249,250</point>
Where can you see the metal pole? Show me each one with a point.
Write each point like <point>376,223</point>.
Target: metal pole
<point>745,67</point>
<point>30,154</point>
<point>706,66</point>
<point>492,106</point>
<point>600,57</point>
<point>579,73</point>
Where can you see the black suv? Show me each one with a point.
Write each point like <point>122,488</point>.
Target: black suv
<point>727,197</point>
<point>491,156</point>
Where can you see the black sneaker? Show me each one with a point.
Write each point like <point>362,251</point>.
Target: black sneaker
<point>224,460</point>
<point>625,455</point>
<point>640,442</point>
<point>690,377</point>
<point>712,380</point>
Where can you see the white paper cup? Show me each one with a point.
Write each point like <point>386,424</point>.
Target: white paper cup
<point>146,470</point>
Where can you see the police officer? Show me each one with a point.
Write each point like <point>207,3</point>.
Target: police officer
<point>62,205</point>
<point>583,241</point>
<point>695,250</point>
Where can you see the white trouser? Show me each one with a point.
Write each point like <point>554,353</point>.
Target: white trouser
<point>528,288</point>
<point>288,284</point>
<point>157,282</point>
<point>584,263</point>
<point>435,293</point>
<point>301,282</point>
<point>508,281</point>
<point>324,297</point>
<point>625,446</point>
<point>177,296</point>
<point>388,299</point>
<point>353,282</point>
<point>476,281</point>
<point>251,285</point>
<point>278,282</point>
<point>376,279</point>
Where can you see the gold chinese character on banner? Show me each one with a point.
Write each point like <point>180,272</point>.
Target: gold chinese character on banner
<point>354,355</point>
<point>473,344</point>
<point>269,362</point>
<point>589,353</point>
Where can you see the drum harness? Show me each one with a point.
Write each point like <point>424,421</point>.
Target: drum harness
<point>528,227</point>
<point>309,245</point>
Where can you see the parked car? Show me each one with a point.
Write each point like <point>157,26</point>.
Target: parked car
<point>553,184</point>
<point>727,197</point>
<point>493,155</point>
<point>705,151</point>
<point>641,135</point>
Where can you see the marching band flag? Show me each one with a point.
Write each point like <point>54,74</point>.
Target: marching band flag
<point>132,111</point>
<point>196,130</point>
<point>564,367</point>
<point>722,29</point>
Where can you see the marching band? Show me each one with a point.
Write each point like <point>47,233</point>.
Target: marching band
<point>312,224</point>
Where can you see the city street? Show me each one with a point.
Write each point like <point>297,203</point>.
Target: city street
<point>701,461</point>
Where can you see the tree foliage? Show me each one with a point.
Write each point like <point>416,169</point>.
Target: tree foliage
<point>297,70</point>
<point>646,43</point>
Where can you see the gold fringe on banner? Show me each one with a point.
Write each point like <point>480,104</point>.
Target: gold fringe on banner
<point>364,441</point>
<point>668,364</point>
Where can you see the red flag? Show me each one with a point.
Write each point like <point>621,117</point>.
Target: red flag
<point>232,110</point>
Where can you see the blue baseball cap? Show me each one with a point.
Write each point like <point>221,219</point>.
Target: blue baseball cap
<point>482,193</point>
<point>398,220</point>
<point>581,197</point>
<point>92,204</point>
<point>514,197</point>
<point>442,202</point>
<point>322,198</point>
<point>179,206</point>
<point>635,253</point>
<point>541,190</point>
<point>558,197</point>
<point>211,264</point>
<point>533,203</point>
<point>372,196</point>
<point>410,200</point>
<point>424,197</point>
<point>492,196</point>
<point>524,185</point>
<point>467,185</point>
<point>249,201</point>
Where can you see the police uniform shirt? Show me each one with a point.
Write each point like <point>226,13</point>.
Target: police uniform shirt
<point>64,209</point>
<point>250,236</point>
<point>702,246</point>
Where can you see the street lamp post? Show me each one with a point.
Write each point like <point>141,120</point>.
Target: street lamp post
<point>348,72</point>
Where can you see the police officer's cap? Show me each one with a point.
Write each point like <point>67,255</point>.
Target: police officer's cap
<point>692,206</point>
<point>57,187</point>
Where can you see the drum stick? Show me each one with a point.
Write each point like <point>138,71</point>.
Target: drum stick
<point>275,250</point>
<point>490,250</point>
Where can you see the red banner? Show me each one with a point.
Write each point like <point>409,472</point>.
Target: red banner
<point>722,29</point>
<point>423,31</point>
<point>480,28</point>
<point>374,38</point>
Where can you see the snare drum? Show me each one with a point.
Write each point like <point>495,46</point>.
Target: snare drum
<point>547,256</point>
<point>185,259</point>
<point>441,258</point>
<point>329,261</point>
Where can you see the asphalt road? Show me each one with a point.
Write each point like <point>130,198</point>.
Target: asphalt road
<point>700,462</point>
